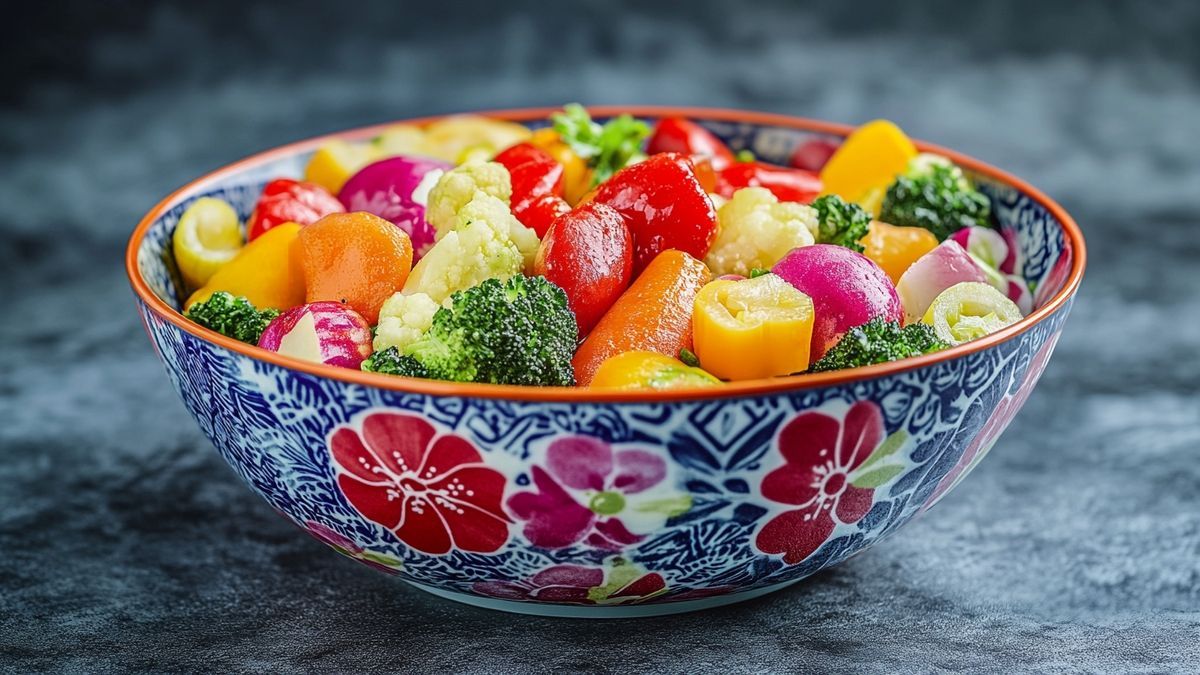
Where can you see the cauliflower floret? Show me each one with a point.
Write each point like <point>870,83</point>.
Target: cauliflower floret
<point>479,248</point>
<point>756,230</point>
<point>403,319</point>
<point>486,207</point>
<point>459,186</point>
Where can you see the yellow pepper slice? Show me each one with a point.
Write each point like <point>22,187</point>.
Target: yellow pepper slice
<point>752,328</point>
<point>207,237</point>
<point>266,271</point>
<point>450,137</point>
<point>970,310</point>
<point>895,248</point>
<point>577,177</point>
<point>333,163</point>
<point>867,162</point>
<point>649,370</point>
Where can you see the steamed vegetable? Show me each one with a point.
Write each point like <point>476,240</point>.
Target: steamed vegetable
<point>396,190</point>
<point>265,272</point>
<point>231,316</point>
<point>534,175</point>
<point>760,327</point>
<point>577,176</point>
<point>404,319</point>
<point>867,162</point>
<point>756,229</point>
<point>664,206</point>
<point>932,273</point>
<point>357,259</point>
<point>934,194</point>
<point>895,249</point>
<point>788,185</point>
<point>650,370</point>
<point>846,288</point>
<point>290,201</point>
<point>606,148</point>
<point>333,163</point>
<point>990,250</point>
<point>879,341</point>
<point>840,222</point>
<point>207,236</point>
<point>814,154</point>
<point>676,134</point>
<point>970,310</point>
<point>515,332</point>
<point>454,189</point>
<point>322,332</point>
<point>462,137</point>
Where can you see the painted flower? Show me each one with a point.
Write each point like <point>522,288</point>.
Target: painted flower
<point>585,487</point>
<point>619,583</point>
<point>995,425</point>
<point>343,545</point>
<point>830,472</point>
<point>433,492</point>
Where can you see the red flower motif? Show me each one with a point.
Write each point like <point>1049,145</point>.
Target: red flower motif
<point>820,453</point>
<point>433,494</point>
<point>617,584</point>
<point>995,425</point>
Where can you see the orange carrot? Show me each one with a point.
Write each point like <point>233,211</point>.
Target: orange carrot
<point>654,314</point>
<point>358,259</point>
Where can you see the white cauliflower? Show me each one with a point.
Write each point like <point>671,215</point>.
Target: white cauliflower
<point>486,207</point>
<point>756,230</point>
<point>479,247</point>
<point>459,186</point>
<point>403,319</point>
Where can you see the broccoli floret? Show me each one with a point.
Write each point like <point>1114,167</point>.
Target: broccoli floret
<point>878,341</point>
<point>518,331</point>
<point>840,222</point>
<point>936,195</point>
<point>231,316</point>
<point>606,148</point>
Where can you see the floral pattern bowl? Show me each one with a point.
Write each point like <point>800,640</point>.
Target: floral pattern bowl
<point>588,503</point>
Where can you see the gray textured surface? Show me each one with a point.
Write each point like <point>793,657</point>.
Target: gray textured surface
<point>125,542</point>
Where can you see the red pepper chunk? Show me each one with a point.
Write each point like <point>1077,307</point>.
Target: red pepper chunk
<point>535,175</point>
<point>788,185</point>
<point>664,206</point>
<point>285,200</point>
<point>541,213</point>
<point>675,134</point>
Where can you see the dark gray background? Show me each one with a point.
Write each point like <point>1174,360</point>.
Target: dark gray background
<point>126,543</point>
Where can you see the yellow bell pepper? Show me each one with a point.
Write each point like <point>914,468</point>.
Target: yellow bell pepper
<point>577,176</point>
<point>333,163</point>
<point>206,238</point>
<point>752,328</point>
<point>266,272</point>
<point>867,163</point>
<point>649,370</point>
<point>895,248</point>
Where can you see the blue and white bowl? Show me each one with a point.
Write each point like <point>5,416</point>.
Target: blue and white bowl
<point>579,502</point>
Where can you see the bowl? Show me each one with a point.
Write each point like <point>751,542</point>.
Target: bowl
<point>589,503</point>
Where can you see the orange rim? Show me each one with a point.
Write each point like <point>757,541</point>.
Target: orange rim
<point>582,394</point>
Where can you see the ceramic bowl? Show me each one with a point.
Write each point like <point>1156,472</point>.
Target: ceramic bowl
<point>590,503</point>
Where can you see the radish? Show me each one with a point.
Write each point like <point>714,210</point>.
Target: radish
<point>324,332</point>
<point>396,189</point>
<point>934,272</point>
<point>847,290</point>
<point>991,250</point>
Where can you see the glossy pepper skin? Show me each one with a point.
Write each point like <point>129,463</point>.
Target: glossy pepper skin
<point>676,134</point>
<point>752,328</point>
<point>535,175</point>
<point>788,185</point>
<point>588,253</point>
<point>664,206</point>
<point>290,201</point>
<point>650,370</point>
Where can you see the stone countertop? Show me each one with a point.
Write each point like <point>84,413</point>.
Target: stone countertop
<point>127,544</point>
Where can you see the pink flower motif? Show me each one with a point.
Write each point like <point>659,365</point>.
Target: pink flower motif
<point>577,585</point>
<point>584,486</point>
<point>1055,278</point>
<point>434,494</point>
<point>821,454</point>
<point>995,425</point>
<point>346,547</point>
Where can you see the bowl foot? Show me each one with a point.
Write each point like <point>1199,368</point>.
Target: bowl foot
<point>603,611</point>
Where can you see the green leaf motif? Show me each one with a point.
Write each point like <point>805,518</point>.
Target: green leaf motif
<point>888,447</point>
<point>876,477</point>
<point>669,507</point>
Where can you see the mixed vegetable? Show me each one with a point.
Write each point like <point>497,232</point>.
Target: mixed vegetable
<point>614,255</point>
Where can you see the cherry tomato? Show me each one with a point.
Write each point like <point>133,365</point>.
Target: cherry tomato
<point>285,200</point>
<point>813,154</point>
<point>664,206</point>
<point>588,252</point>
<point>535,174</point>
<point>542,212</point>
<point>788,185</point>
<point>675,134</point>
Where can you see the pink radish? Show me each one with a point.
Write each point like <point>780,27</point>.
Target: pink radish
<point>934,272</point>
<point>991,251</point>
<point>396,189</point>
<point>847,290</point>
<point>324,332</point>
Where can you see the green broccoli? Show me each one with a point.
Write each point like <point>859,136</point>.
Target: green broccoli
<point>935,194</point>
<point>606,148</point>
<point>840,222</point>
<point>879,341</point>
<point>231,316</point>
<point>518,331</point>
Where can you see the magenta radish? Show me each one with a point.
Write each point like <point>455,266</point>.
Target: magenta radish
<point>934,272</point>
<point>324,332</point>
<point>396,189</point>
<point>847,290</point>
